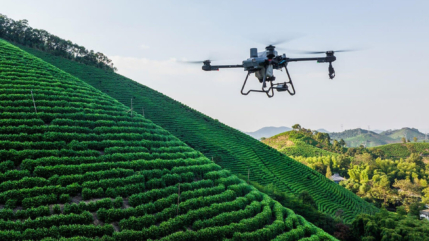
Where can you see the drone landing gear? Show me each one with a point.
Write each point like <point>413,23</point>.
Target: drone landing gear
<point>280,87</point>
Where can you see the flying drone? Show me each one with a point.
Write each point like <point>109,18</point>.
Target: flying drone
<point>264,63</point>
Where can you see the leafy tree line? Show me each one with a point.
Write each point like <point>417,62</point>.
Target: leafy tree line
<point>383,225</point>
<point>20,32</point>
<point>379,180</point>
<point>394,184</point>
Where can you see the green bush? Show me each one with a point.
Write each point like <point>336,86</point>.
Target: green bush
<point>11,203</point>
<point>65,198</point>
<point>118,202</point>
<point>56,209</point>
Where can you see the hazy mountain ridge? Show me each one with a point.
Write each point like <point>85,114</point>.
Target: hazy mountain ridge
<point>270,131</point>
<point>357,137</point>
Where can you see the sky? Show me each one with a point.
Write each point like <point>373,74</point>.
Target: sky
<point>383,86</point>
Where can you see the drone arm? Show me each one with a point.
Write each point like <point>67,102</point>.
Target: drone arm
<point>217,67</point>
<point>319,60</point>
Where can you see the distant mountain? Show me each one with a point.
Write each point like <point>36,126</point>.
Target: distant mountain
<point>357,137</point>
<point>406,132</point>
<point>377,131</point>
<point>268,131</point>
<point>323,130</point>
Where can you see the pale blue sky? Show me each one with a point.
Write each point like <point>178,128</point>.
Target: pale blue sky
<point>386,86</point>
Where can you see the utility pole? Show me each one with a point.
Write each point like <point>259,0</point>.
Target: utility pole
<point>131,107</point>
<point>248,175</point>
<point>178,198</point>
<point>342,129</point>
<point>34,102</point>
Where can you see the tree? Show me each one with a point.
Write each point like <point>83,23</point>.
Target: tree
<point>364,158</point>
<point>342,143</point>
<point>381,188</point>
<point>417,159</point>
<point>296,127</point>
<point>415,139</point>
<point>328,172</point>
<point>306,198</point>
<point>263,138</point>
<point>404,140</point>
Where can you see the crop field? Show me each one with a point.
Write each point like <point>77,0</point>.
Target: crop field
<point>230,148</point>
<point>400,150</point>
<point>296,148</point>
<point>75,162</point>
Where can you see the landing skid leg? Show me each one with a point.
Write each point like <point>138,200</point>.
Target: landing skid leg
<point>261,91</point>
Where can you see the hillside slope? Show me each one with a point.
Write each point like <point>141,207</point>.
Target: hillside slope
<point>228,147</point>
<point>115,175</point>
<point>268,131</point>
<point>400,150</point>
<point>287,144</point>
<point>357,137</point>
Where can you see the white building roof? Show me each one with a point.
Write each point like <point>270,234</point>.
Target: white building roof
<point>337,177</point>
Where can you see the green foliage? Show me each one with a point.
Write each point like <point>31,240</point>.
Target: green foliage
<point>398,150</point>
<point>230,148</point>
<point>388,226</point>
<point>20,32</point>
<point>84,144</point>
<point>65,198</point>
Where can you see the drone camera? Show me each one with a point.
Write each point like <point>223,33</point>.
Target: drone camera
<point>282,87</point>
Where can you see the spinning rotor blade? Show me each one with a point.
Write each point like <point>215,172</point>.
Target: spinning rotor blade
<point>276,41</point>
<point>196,61</point>
<point>322,52</point>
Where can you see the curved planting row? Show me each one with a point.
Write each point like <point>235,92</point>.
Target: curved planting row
<point>75,163</point>
<point>228,147</point>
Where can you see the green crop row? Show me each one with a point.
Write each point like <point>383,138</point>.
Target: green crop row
<point>39,201</point>
<point>149,196</point>
<point>41,222</point>
<point>9,214</point>
<point>60,231</point>
<point>82,144</point>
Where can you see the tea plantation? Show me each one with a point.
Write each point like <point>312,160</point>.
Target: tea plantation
<point>76,163</point>
<point>229,148</point>
<point>400,150</point>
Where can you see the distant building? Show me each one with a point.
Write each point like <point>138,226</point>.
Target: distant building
<point>424,214</point>
<point>337,178</point>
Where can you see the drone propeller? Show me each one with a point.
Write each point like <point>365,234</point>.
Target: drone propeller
<point>322,52</point>
<point>194,62</point>
<point>266,41</point>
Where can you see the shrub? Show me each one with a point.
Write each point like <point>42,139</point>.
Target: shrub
<point>56,209</point>
<point>11,203</point>
<point>65,198</point>
<point>118,202</point>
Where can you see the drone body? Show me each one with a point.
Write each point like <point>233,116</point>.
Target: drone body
<point>263,65</point>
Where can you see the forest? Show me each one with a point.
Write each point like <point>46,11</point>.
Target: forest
<point>399,186</point>
<point>20,32</point>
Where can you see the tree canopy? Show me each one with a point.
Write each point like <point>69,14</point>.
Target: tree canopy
<point>21,33</point>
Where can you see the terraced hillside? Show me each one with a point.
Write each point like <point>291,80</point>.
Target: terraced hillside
<point>228,147</point>
<point>400,150</point>
<point>75,162</point>
<point>290,146</point>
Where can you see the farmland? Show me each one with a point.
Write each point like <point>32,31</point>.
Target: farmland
<point>230,148</point>
<point>77,163</point>
<point>403,150</point>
